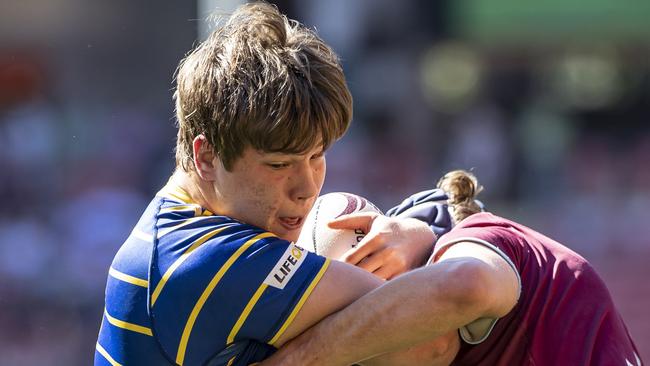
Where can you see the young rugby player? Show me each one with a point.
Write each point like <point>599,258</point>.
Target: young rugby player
<point>209,275</point>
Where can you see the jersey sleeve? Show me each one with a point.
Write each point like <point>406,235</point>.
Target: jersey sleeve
<point>495,240</point>
<point>243,284</point>
<point>282,276</point>
<point>489,237</point>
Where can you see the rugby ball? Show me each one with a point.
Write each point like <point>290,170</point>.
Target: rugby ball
<point>317,237</point>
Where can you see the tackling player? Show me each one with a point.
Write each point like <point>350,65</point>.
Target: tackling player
<point>209,275</point>
<point>516,296</point>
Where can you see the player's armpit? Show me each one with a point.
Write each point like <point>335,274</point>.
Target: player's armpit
<point>498,281</point>
<point>341,284</point>
<point>440,351</point>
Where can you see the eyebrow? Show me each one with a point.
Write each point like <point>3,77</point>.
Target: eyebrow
<point>318,150</point>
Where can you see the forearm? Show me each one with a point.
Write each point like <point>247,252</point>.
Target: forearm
<point>439,352</point>
<point>413,308</point>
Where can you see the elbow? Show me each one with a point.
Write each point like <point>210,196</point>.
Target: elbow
<point>469,287</point>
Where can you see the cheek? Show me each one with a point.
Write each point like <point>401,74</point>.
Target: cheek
<point>274,179</point>
<point>320,173</point>
<point>264,198</point>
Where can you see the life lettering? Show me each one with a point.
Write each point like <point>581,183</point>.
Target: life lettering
<point>286,267</point>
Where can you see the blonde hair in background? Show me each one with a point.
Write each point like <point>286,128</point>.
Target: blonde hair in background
<point>462,187</point>
<point>260,80</point>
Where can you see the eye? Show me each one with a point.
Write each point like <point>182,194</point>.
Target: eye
<point>278,166</point>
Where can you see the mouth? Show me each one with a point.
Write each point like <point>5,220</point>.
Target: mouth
<point>291,223</point>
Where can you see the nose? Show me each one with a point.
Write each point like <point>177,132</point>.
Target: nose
<point>307,181</point>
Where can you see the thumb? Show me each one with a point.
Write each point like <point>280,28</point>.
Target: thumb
<point>357,220</point>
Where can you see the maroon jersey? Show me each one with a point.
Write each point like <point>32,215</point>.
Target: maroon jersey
<point>564,315</point>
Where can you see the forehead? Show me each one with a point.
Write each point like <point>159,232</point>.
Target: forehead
<point>296,143</point>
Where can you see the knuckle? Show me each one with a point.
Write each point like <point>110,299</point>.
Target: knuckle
<point>397,258</point>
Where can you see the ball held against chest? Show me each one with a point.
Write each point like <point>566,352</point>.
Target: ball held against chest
<point>317,237</point>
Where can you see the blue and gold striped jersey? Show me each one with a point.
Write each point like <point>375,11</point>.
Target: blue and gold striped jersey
<point>188,286</point>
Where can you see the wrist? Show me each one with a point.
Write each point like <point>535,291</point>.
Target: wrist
<point>427,242</point>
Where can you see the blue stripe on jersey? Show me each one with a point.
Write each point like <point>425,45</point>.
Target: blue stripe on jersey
<point>142,282</point>
<point>124,302</point>
<point>132,260</point>
<point>189,281</point>
<point>206,274</point>
<point>126,347</point>
<point>103,358</point>
<point>164,265</point>
<point>273,308</point>
<point>224,306</point>
<point>166,226</point>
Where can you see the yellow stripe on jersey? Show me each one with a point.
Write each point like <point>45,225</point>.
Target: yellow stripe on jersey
<point>231,361</point>
<point>128,278</point>
<point>198,211</point>
<point>180,356</point>
<point>247,310</point>
<point>300,303</point>
<point>180,193</point>
<point>175,192</point>
<point>190,221</point>
<point>142,235</point>
<point>128,326</point>
<point>107,356</point>
<point>180,260</point>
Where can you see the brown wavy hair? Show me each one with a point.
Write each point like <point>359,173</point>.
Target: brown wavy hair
<point>462,187</point>
<point>260,80</point>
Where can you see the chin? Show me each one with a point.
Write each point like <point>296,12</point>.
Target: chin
<point>288,235</point>
<point>293,237</point>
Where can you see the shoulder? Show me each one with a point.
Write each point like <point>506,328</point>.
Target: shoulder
<point>223,281</point>
<point>192,243</point>
<point>485,229</point>
<point>482,244</point>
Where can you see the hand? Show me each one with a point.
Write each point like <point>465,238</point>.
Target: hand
<point>392,245</point>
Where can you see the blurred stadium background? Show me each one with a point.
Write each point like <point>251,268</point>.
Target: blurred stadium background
<point>549,104</point>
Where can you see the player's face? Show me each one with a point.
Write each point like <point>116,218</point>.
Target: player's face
<point>273,191</point>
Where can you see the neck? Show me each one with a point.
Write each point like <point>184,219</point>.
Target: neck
<point>200,191</point>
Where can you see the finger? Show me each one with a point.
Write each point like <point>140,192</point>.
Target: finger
<point>358,220</point>
<point>371,263</point>
<point>366,247</point>
<point>385,272</point>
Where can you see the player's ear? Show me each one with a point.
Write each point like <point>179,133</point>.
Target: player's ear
<point>205,160</point>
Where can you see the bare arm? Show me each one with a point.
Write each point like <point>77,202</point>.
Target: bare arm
<point>343,283</point>
<point>439,352</point>
<point>413,308</point>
